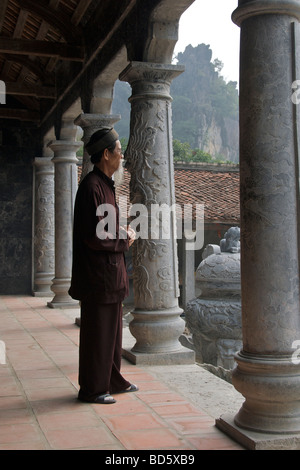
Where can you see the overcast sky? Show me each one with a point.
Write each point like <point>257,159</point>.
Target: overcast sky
<point>209,22</point>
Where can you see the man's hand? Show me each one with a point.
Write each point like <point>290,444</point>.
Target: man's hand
<point>131,235</point>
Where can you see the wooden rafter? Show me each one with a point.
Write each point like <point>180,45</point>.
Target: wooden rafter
<point>80,11</point>
<point>3,6</point>
<point>32,66</point>
<point>41,49</point>
<point>20,114</point>
<point>47,47</point>
<point>61,22</point>
<point>30,90</point>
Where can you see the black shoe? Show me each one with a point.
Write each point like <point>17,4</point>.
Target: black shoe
<point>105,399</point>
<point>132,388</point>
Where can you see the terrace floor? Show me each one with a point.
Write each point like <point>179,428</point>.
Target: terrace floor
<point>174,409</point>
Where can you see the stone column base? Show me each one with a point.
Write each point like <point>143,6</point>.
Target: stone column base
<point>61,298</point>
<point>182,356</point>
<point>153,338</point>
<point>255,440</point>
<point>42,285</point>
<point>67,304</point>
<point>47,293</point>
<point>179,357</point>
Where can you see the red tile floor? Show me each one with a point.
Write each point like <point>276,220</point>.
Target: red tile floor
<point>39,409</point>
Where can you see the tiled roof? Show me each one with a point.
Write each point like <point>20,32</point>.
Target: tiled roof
<point>218,191</point>
<point>216,188</point>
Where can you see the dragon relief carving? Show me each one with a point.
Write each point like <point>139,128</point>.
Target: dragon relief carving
<point>44,229</point>
<point>137,155</point>
<point>165,273</point>
<point>147,251</point>
<point>141,284</point>
<point>148,173</point>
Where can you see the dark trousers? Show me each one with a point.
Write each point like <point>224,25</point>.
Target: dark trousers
<point>100,349</point>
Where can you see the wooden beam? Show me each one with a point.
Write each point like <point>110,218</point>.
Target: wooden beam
<point>80,11</point>
<point>57,20</point>
<point>101,45</point>
<point>22,18</point>
<point>34,67</point>
<point>30,90</point>
<point>41,49</point>
<point>19,114</point>
<point>3,6</point>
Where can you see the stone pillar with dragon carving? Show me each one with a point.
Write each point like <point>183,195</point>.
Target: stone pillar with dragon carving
<point>43,217</point>
<point>157,322</point>
<point>43,226</point>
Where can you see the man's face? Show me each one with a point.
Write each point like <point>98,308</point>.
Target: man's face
<point>116,163</point>
<point>116,157</point>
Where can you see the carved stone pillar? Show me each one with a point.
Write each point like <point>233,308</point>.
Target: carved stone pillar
<point>91,123</point>
<point>65,161</point>
<point>266,374</point>
<point>43,227</point>
<point>157,324</point>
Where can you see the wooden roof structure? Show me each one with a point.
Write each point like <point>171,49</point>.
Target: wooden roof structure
<point>50,50</point>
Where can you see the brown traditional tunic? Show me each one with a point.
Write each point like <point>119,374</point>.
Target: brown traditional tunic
<point>98,265</point>
<point>100,282</point>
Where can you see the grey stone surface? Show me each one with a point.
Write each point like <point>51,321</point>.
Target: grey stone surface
<point>15,211</point>
<point>269,149</point>
<point>213,319</point>
<point>65,191</point>
<point>202,388</point>
<point>43,226</point>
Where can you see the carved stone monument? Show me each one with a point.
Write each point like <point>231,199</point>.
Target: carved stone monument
<point>214,318</point>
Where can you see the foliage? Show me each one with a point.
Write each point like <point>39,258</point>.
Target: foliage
<point>124,143</point>
<point>183,152</point>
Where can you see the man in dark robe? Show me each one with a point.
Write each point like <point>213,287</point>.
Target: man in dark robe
<point>99,276</point>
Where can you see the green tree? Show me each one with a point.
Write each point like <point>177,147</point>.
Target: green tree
<point>200,156</point>
<point>182,151</point>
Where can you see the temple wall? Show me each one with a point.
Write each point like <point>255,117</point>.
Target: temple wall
<point>15,210</point>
